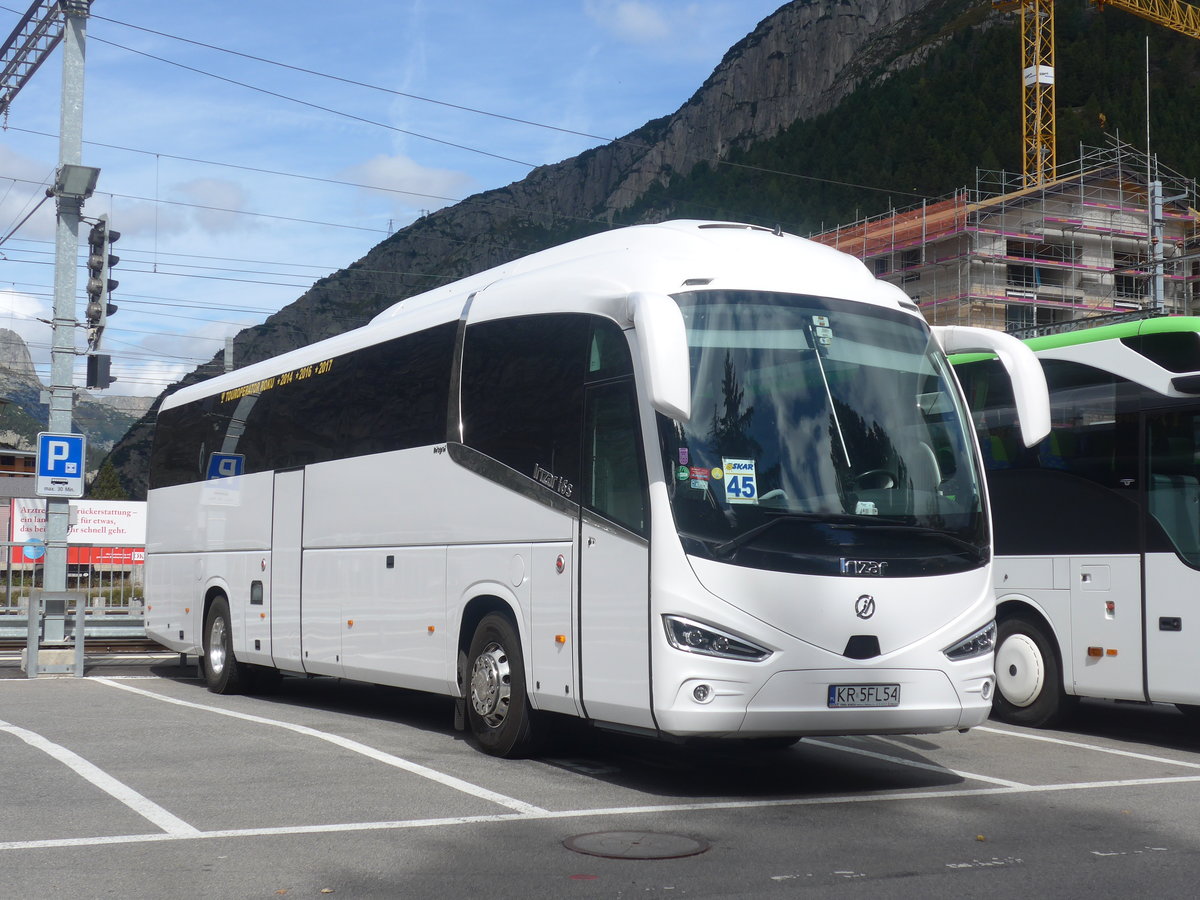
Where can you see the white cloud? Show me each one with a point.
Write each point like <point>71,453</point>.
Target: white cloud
<point>22,185</point>
<point>401,174</point>
<point>218,195</point>
<point>630,20</point>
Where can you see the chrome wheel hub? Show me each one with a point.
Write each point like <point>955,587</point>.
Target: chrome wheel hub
<point>491,689</point>
<point>216,646</point>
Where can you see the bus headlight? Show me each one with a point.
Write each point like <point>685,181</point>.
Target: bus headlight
<point>692,637</point>
<point>980,643</point>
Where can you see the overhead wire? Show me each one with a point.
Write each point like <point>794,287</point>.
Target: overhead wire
<point>317,106</point>
<point>475,110</point>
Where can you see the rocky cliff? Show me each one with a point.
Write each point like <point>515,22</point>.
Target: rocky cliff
<point>102,420</point>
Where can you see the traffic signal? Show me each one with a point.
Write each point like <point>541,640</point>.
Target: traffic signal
<point>98,376</point>
<point>100,286</point>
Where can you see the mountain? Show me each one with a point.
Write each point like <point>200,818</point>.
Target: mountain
<point>103,421</point>
<point>802,123</point>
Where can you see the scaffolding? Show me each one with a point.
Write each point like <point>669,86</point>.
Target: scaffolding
<point>1008,257</point>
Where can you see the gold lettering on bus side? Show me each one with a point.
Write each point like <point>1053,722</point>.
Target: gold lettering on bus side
<point>284,378</point>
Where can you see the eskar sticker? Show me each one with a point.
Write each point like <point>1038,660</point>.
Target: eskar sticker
<point>741,483</point>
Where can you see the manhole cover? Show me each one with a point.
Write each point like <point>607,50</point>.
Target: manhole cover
<point>635,845</point>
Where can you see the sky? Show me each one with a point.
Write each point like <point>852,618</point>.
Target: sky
<point>248,149</point>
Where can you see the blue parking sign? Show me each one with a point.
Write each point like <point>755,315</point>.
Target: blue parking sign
<point>60,465</point>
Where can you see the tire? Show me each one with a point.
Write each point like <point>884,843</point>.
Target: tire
<point>223,673</point>
<point>1029,685</point>
<point>498,711</point>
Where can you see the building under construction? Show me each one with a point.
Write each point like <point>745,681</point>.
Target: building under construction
<point>1115,233</point>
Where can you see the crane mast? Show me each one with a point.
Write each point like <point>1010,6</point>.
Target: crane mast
<point>1038,161</point>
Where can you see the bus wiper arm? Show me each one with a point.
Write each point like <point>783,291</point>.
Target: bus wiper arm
<point>731,546</point>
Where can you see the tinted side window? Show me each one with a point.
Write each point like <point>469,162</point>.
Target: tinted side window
<point>389,396</point>
<point>1173,489</point>
<point>614,476</point>
<point>522,393</point>
<point>179,434</point>
<point>1076,491</point>
<point>400,393</point>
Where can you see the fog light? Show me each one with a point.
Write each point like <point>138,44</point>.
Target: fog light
<point>987,690</point>
<point>702,693</point>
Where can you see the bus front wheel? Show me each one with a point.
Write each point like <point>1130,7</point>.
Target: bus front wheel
<point>1029,688</point>
<point>222,672</point>
<point>497,703</point>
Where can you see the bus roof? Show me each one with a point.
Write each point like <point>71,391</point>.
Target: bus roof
<point>1141,327</point>
<point>1156,325</point>
<point>666,257</point>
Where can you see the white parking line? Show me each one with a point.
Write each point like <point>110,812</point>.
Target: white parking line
<point>171,824</point>
<point>1078,745</point>
<point>346,744</point>
<point>348,827</point>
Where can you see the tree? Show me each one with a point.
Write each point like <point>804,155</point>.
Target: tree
<point>106,485</point>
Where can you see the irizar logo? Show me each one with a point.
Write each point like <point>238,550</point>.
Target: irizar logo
<point>863,567</point>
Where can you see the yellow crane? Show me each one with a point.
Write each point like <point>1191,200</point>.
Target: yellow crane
<point>1037,69</point>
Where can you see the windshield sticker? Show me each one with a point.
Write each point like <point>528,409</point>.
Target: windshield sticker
<point>865,508</point>
<point>683,456</point>
<point>741,485</point>
<point>682,473</point>
<point>699,477</point>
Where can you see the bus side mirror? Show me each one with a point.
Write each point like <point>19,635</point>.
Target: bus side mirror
<point>1028,381</point>
<point>663,350</point>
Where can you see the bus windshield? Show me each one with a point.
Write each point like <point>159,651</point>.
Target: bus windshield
<point>826,437</point>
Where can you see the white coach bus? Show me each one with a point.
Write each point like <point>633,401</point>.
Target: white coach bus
<point>686,479</point>
<point>1097,528</point>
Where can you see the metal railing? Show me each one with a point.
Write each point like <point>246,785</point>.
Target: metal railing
<point>111,583</point>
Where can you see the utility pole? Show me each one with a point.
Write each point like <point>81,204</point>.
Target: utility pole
<point>38,33</point>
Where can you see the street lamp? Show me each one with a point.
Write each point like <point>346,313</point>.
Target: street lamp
<point>74,182</point>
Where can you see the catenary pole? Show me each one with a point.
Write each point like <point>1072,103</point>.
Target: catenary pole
<point>66,249</point>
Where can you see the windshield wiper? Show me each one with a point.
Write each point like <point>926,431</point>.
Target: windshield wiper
<point>829,395</point>
<point>731,546</point>
<point>837,520</point>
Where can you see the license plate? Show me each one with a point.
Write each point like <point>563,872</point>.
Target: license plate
<point>848,695</point>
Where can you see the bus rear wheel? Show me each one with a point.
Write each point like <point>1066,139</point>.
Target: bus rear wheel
<point>222,672</point>
<point>1029,688</point>
<point>498,709</point>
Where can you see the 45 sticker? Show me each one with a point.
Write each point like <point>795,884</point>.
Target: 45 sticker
<point>741,484</point>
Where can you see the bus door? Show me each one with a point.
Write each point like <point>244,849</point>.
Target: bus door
<point>283,601</point>
<point>1172,617</point>
<point>614,592</point>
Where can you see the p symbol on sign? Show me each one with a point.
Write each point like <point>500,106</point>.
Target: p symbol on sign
<point>225,465</point>
<point>59,451</point>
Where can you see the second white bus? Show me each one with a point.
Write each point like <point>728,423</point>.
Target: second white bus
<point>1098,526</point>
<point>686,479</point>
